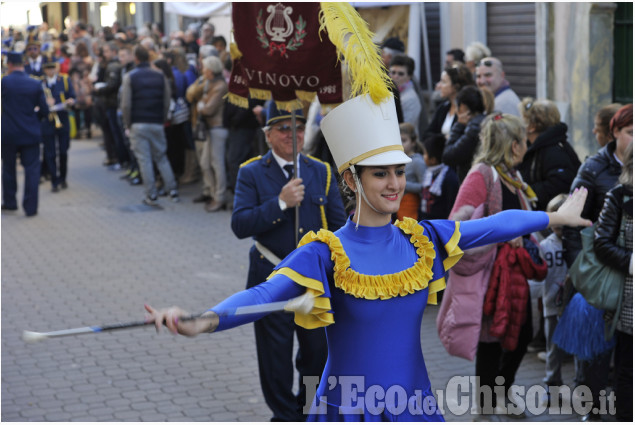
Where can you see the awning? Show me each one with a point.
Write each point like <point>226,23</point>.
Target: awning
<point>199,9</point>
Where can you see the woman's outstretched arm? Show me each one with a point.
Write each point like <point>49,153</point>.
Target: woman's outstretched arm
<point>278,288</point>
<point>510,224</point>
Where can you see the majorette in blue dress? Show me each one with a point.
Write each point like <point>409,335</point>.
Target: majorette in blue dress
<point>371,286</point>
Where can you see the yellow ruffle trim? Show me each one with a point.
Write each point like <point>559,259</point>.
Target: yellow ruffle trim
<point>319,316</point>
<point>372,287</point>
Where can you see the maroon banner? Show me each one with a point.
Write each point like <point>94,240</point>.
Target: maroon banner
<point>282,55</point>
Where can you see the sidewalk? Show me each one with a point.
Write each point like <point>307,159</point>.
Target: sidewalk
<point>94,255</point>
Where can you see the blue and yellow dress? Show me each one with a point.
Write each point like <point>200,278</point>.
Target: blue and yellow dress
<point>371,286</point>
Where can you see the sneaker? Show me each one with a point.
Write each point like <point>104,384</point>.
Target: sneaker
<point>151,201</point>
<point>115,167</point>
<point>542,356</point>
<point>174,195</point>
<point>162,192</point>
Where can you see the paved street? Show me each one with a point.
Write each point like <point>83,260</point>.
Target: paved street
<point>95,255</point>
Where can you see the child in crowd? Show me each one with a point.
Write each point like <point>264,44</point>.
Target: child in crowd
<point>552,295</point>
<point>415,171</point>
<point>440,182</point>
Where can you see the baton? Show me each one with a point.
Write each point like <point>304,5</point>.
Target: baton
<point>302,304</point>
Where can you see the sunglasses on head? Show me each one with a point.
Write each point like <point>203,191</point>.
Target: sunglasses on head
<point>487,63</point>
<point>529,105</point>
<point>286,128</point>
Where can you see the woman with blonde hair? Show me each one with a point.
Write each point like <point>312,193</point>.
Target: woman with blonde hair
<point>414,172</point>
<point>550,164</point>
<point>492,185</point>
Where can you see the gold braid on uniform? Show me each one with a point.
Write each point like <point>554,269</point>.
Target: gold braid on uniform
<point>249,161</point>
<point>325,224</point>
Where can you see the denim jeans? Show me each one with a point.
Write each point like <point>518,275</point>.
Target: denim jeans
<point>149,144</point>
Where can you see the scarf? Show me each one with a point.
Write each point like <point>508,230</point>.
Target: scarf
<point>433,178</point>
<point>525,193</point>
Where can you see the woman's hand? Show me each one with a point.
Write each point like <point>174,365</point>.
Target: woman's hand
<point>464,117</point>
<point>569,213</point>
<point>173,317</point>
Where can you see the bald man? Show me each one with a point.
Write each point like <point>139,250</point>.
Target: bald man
<point>490,74</point>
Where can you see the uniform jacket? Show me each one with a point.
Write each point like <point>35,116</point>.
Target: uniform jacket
<point>598,174</point>
<point>550,165</point>
<point>257,213</point>
<point>30,70</point>
<point>508,293</point>
<point>61,90</point>
<point>20,95</point>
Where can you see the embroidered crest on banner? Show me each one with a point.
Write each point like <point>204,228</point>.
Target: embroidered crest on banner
<point>280,27</point>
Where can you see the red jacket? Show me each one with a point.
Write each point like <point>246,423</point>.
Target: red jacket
<point>508,293</point>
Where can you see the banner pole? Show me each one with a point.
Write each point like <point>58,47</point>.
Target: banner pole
<point>295,172</point>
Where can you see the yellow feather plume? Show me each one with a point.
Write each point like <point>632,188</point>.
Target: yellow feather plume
<point>353,39</point>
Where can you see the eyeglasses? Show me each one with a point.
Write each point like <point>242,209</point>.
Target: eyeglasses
<point>399,73</point>
<point>486,63</point>
<point>286,128</point>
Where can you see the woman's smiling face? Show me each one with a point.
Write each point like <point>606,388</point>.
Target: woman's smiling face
<point>384,187</point>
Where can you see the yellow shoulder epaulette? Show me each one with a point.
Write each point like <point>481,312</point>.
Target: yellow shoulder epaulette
<point>249,161</point>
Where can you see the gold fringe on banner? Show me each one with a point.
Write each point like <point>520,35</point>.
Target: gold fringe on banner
<point>234,99</point>
<point>234,52</point>
<point>353,39</point>
<point>306,96</point>
<point>259,94</point>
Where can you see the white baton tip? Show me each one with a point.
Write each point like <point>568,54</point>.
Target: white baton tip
<point>302,304</point>
<point>29,336</point>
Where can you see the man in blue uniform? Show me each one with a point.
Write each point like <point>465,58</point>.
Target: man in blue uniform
<point>264,202</point>
<point>34,57</point>
<point>57,139</point>
<point>21,134</point>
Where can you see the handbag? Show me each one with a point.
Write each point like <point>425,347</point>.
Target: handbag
<point>599,284</point>
<point>179,111</point>
<point>200,131</point>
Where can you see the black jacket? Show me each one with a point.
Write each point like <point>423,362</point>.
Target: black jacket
<point>235,117</point>
<point>598,174</point>
<point>618,202</point>
<point>437,120</point>
<point>112,78</point>
<point>550,165</point>
<point>460,147</point>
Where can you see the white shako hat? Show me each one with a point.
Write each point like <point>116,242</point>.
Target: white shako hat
<point>360,132</point>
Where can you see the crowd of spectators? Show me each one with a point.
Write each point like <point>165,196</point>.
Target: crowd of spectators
<point>481,134</point>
